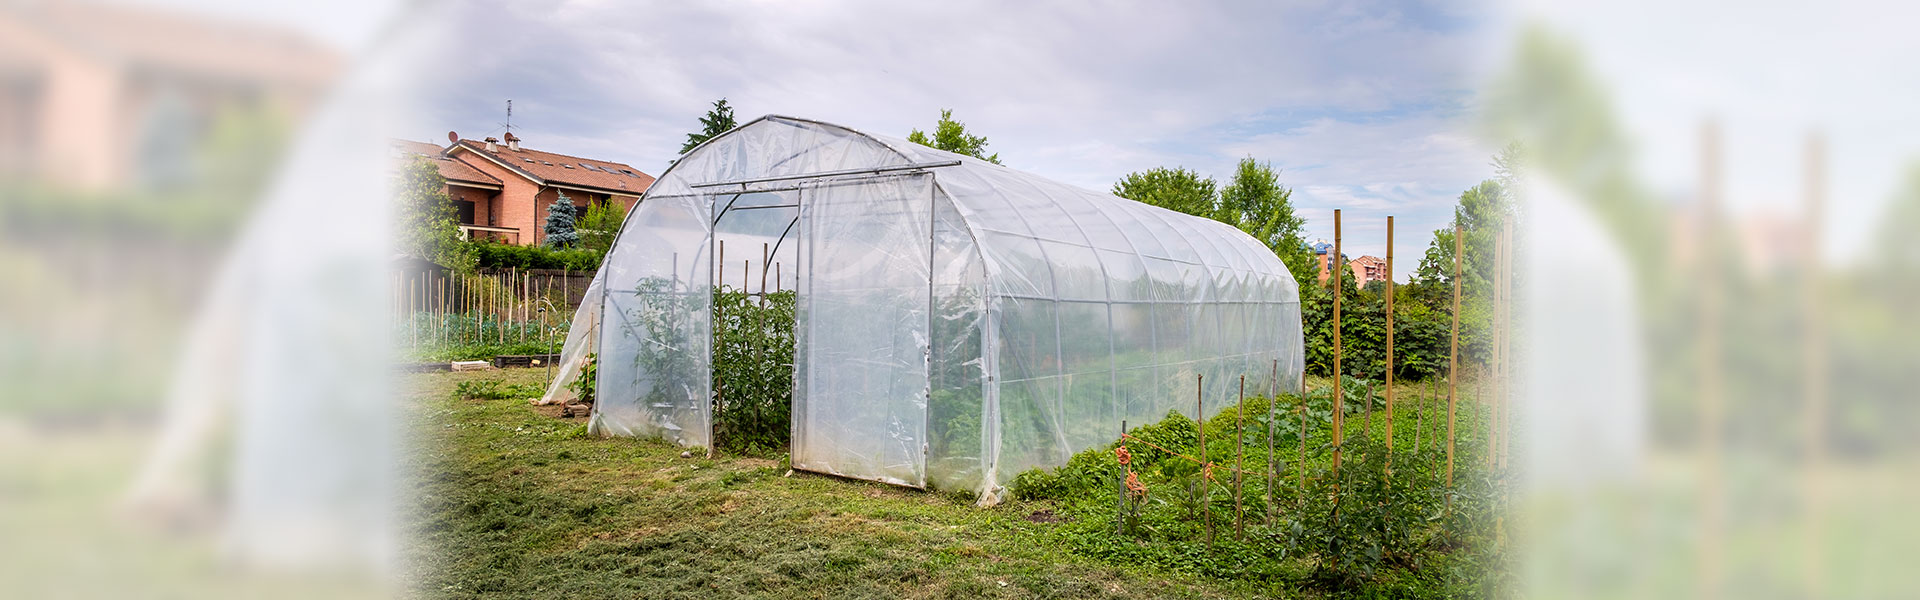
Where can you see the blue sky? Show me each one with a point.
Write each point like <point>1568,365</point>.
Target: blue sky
<point>1364,106</point>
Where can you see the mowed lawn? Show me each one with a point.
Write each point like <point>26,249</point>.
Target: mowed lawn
<point>511,501</point>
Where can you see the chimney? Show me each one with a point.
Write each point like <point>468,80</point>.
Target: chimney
<point>490,144</point>
<point>513,142</point>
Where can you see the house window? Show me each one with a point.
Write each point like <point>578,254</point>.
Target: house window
<point>466,211</point>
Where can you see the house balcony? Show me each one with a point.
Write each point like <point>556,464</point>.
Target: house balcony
<point>506,235</point>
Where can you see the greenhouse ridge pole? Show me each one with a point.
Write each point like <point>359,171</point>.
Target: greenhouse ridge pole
<point>827,174</point>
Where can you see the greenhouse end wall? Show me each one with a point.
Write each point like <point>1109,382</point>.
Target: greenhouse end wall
<point>958,322</point>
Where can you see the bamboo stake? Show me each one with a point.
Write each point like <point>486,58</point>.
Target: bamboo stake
<point>1453,354</point>
<point>1120,490</point>
<point>1239,456</point>
<point>1300,462</point>
<point>1492,399</point>
<point>1814,362</point>
<point>1712,407</point>
<point>1419,412</point>
<point>1366,415</point>
<point>476,303</point>
<point>1206,472</point>
<point>1389,345</point>
<point>1273,386</point>
<point>1506,350</point>
<point>1339,408</point>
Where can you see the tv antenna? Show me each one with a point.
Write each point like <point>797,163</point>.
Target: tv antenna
<point>509,123</point>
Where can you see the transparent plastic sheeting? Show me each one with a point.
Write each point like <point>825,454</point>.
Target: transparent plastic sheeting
<point>573,356</point>
<point>956,325</point>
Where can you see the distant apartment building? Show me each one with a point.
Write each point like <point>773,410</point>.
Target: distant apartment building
<point>1368,269</point>
<point>502,189</point>
<point>1364,270</point>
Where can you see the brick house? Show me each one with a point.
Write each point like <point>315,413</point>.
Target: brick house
<point>106,96</point>
<point>502,189</point>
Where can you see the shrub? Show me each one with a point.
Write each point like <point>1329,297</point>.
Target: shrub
<point>493,390</point>
<point>495,255</point>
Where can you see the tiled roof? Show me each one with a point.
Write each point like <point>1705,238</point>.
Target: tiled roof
<point>570,170</point>
<point>453,169</point>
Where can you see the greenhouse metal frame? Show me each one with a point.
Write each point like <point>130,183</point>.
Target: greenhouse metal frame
<point>957,321</point>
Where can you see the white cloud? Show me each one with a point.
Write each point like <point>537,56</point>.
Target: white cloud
<point>1338,95</point>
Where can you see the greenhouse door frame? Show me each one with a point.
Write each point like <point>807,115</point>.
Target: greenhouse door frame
<point>854,418</point>
<point>910,180</point>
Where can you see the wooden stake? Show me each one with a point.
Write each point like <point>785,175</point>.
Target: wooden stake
<point>1339,398</point>
<point>1120,490</point>
<point>1206,481</point>
<point>1814,362</point>
<point>1239,456</point>
<point>1300,463</point>
<point>1506,349</point>
<point>1366,414</point>
<point>1453,354</point>
<point>1492,400</point>
<point>1389,345</point>
<point>1419,412</point>
<point>1712,404</point>
<point>1273,387</point>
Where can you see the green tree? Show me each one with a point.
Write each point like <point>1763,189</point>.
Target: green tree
<point>559,228</point>
<point>428,223</point>
<point>952,136</point>
<point>1255,202</point>
<point>717,121</point>
<point>1480,212</point>
<point>1176,189</point>
<point>599,225</point>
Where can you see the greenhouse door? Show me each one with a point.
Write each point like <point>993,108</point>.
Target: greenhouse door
<point>861,348</point>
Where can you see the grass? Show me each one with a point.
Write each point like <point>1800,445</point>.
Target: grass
<point>515,503</point>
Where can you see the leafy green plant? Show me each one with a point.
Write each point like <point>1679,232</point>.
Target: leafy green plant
<point>752,370</point>
<point>583,386</point>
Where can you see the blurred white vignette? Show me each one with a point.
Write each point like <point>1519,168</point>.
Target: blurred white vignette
<point>1717,291</point>
<point>196,396</point>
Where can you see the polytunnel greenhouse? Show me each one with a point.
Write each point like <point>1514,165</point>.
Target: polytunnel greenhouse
<point>956,322</point>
